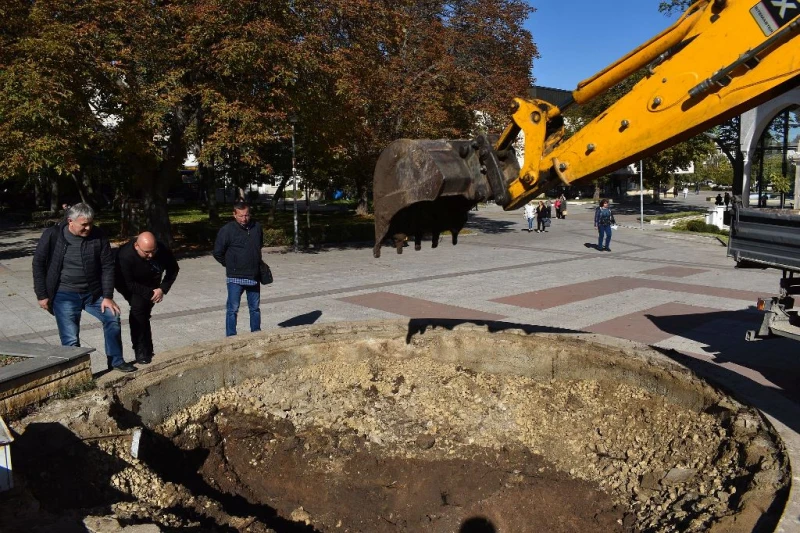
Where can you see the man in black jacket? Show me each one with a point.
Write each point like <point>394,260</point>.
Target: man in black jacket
<point>238,249</point>
<point>146,269</point>
<point>73,270</point>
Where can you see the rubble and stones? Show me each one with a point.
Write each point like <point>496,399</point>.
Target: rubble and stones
<point>365,444</point>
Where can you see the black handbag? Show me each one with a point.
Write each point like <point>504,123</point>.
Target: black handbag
<point>264,274</point>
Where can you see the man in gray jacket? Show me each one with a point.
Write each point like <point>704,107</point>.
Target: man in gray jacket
<point>73,271</point>
<point>238,249</point>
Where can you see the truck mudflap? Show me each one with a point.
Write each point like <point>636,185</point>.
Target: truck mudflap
<point>765,238</point>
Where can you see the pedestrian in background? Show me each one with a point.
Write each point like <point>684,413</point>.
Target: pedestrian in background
<point>548,214</point>
<point>563,199</point>
<point>146,270</point>
<point>238,249</point>
<point>529,212</point>
<point>73,271</point>
<point>540,216</point>
<point>603,219</point>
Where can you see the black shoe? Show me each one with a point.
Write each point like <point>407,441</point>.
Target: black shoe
<point>142,360</point>
<point>125,367</point>
<point>607,249</point>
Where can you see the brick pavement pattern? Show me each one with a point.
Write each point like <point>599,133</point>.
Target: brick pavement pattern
<point>553,281</point>
<point>497,272</point>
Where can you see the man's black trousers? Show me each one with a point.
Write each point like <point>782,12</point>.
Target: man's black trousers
<point>141,334</point>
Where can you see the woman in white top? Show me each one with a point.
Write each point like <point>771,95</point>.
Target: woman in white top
<point>530,214</point>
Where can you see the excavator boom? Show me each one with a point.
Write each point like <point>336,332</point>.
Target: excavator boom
<point>721,58</point>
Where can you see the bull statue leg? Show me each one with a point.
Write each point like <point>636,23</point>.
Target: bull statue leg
<point>399,242</point>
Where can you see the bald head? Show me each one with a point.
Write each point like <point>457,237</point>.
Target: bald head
<point>146,245</point>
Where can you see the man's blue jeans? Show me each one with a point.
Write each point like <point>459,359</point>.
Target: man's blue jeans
<point>603,230</point>
<point>67,307</point>
<point>530,224</point>
<point>232,307</point>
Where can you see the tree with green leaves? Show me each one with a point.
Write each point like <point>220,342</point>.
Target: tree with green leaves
<point>715,168</point>
<point>53,77</point>
<point>671,7</point>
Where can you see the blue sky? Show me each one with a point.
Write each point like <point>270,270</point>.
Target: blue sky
<point>577,38</point>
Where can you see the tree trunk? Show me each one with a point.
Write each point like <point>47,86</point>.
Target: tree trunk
<point>208,180</point>
<point>54,200</point>
<point>596,195</point>
<point>154,204</point>
<point>86,190</point>
<point>362,209</point>
<point>153,182</point>
<point>38,193</point>
<point>275,197</point>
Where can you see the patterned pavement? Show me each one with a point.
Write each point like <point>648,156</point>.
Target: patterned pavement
<point>677,293</point>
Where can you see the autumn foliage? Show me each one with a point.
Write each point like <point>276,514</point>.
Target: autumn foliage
<point>120,92</point>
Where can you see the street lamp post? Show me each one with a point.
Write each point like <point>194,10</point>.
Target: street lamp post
<point>293,120</point>
<point>641,195</point>
<point>308,210</point>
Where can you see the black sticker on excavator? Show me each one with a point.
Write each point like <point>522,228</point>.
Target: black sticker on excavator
<point>772,14</point>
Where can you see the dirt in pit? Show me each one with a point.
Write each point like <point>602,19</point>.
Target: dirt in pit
<point>339,484</point>
<point>403,445</point>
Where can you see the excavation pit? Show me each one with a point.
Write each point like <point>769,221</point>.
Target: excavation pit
<point>395,427</point>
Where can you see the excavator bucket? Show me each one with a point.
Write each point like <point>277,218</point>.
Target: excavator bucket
<point>423,187</point>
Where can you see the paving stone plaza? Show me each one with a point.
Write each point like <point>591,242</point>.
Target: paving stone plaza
<point>676,292</point>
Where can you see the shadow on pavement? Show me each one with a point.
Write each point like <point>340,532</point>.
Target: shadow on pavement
<point>418,326</point>
<point>776,361</point>
<point>487,225</point>
<point>301,320</point>
<point>16,249</point>
<point>764,398</point>
<point>627,207</point>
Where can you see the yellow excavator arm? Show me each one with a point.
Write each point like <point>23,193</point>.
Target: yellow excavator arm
<point>721,58</point>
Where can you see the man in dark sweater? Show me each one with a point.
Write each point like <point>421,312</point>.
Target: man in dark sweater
<point>238,249</point>
<point>146,269</point>
<point>73,271</point>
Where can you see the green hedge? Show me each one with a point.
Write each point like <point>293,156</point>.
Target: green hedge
<point>323,234</point>
<point>701,227</point>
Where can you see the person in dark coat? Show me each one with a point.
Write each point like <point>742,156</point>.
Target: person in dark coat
<point>603,220</point>
<point>541,214</point>
<point>238,249</point>
<point>73,271</point>
<point>146,270</point>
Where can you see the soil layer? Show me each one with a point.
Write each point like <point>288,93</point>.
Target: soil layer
<point>341,483</point>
